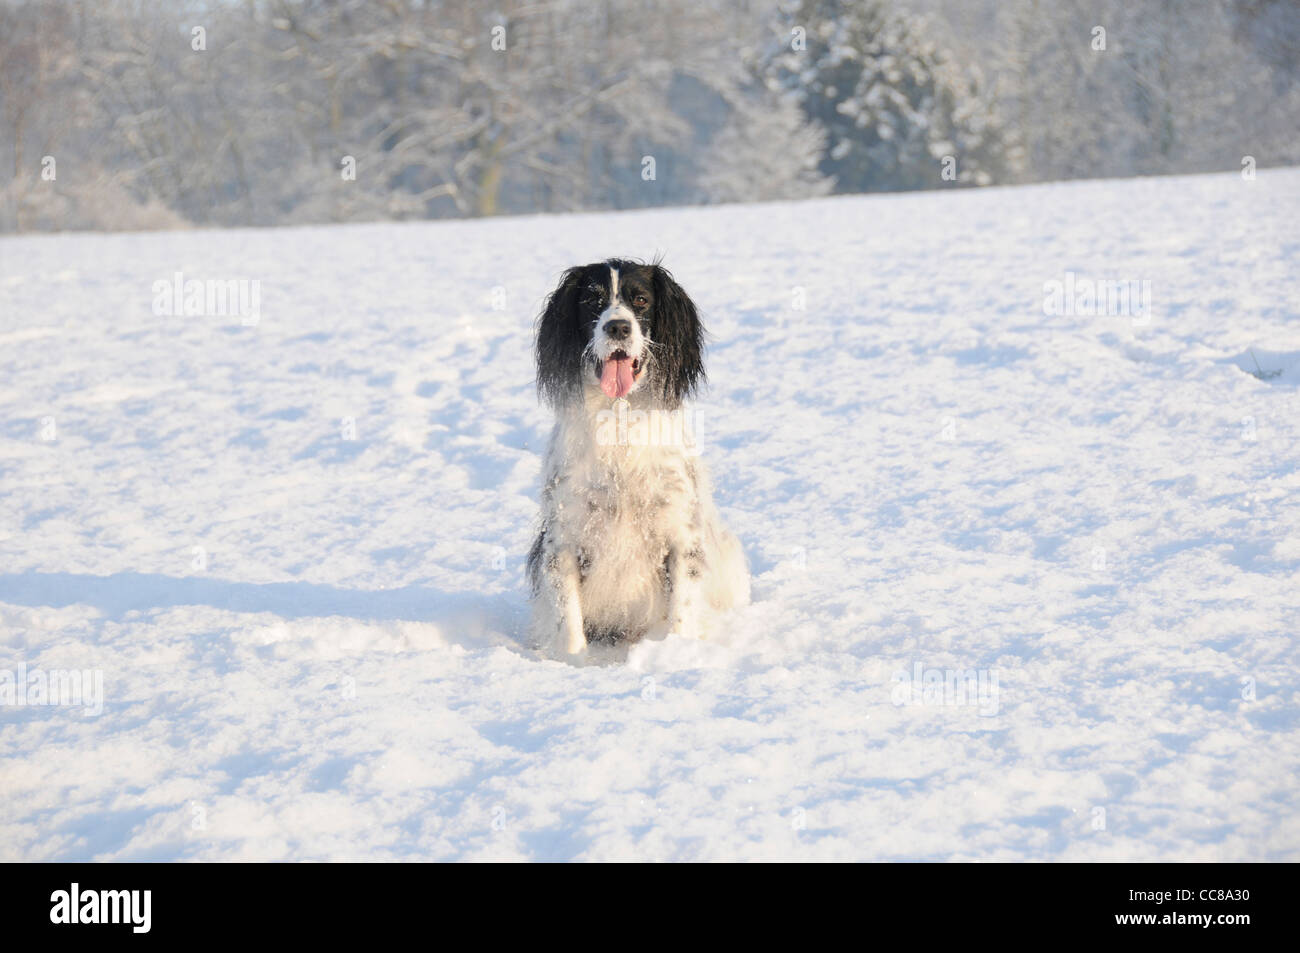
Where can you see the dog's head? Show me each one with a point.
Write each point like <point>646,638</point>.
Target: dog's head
<point>622,327</point>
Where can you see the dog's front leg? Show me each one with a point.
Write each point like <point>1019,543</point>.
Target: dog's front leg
<point>685,570</point>
<point>561,608</point>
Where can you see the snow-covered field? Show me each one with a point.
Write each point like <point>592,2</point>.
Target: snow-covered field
<point>293,551</point>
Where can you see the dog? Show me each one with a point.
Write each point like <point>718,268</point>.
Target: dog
<point>630,543</point>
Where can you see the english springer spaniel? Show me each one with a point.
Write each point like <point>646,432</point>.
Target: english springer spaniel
<point>630,543</point>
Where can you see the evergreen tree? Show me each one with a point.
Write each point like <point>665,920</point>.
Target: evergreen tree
<point>767,151</point>
<point>898,111</point>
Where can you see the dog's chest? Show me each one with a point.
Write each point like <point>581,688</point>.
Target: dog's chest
<point>637,492</point>
<point>620,508</point>
<point>631,507</point>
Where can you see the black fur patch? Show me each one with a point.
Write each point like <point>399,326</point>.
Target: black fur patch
<point>677,329</point>
<point>562,337</point>
<point>535,562</point>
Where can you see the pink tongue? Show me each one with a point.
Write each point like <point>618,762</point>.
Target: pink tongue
<point>616,377</point>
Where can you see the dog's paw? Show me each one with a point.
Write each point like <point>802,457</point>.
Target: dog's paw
<point>573,644</point>
<point>683,629</point>
<point>576,659</point>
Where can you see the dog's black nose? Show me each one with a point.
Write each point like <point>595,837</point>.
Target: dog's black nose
<point>619,329</point>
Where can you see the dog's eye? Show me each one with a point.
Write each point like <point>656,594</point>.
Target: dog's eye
<point>640,301</point>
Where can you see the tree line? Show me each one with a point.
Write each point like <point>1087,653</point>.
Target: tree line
<point>151,114</point>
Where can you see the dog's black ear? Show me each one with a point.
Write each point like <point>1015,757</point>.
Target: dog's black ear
<point>680,335</point>
<point>560,341</point>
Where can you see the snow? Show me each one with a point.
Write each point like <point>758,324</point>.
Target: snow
<point>311,637</point>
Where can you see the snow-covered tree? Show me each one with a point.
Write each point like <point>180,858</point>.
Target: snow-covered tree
<point>898,111</point>
<point>1125,87</point>
<point>768,150</point>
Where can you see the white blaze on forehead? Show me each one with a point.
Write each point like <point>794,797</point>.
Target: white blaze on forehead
<point>631,346</point>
